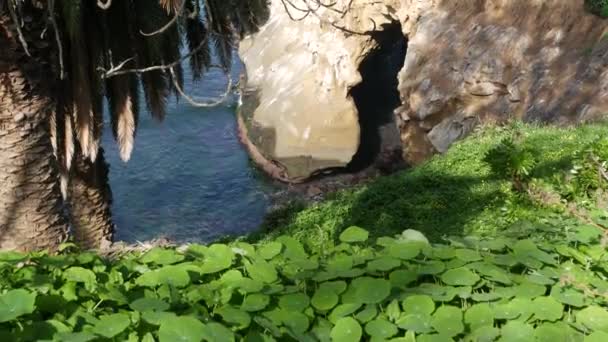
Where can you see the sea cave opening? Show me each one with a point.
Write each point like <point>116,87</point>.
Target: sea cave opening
<point>376,98</point>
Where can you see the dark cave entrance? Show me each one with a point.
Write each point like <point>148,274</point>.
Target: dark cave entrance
<point>376,98</point>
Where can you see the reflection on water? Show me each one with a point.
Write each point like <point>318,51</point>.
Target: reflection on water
<point>188,179</point>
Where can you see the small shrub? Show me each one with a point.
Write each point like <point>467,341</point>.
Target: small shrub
<point>598,7</point>
<point>590,170</point>
<point>511,160</point>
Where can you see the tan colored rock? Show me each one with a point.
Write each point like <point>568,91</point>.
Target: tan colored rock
<point>299,74</point>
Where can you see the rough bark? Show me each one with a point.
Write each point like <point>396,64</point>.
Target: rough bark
<point>31,207</point>
<point>90,200</point>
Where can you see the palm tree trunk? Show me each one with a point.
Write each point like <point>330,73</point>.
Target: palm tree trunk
<point>31,207</point>
<point>90,199</point>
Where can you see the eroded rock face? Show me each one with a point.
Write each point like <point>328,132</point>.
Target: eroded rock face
<point>468,62</point>
<point>477,61</point>
<point>297,117</point>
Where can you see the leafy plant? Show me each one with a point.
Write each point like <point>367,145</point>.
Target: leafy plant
<point>590,170</point>
<point>398,289</point>
<point>598,7</point>
<point>511,160</point>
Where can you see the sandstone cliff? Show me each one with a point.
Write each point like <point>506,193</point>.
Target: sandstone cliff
<point>468,62</point>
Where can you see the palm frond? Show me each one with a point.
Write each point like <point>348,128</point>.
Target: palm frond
<point>218,15</point>
<point>197,38</point>
<point>171,6</point>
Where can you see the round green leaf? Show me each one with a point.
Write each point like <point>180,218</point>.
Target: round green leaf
<point>234,316</point>
<point>216,332</point>
<point>324,299</point>
<point>255,302</point>
<point>402,278</point>
<point>431,268</point>
<point>594,318</point>
<point>447,320</point>
<point>80,275</point>
<point>346,329</point>
<point>15,303</point>
<point>75,337</point>
<point>549,333</point>
<point>486,334</point>
<point>516,331</point>
<point>479,315</point>
<point>343,310</point>
<point>547,309</point>
<point>380,328</point>
<point>419,304</point>
<point>294,302</point>
<point>183,329</point>
<point>434,338</point>
<point>270,250</point>
<point>460,277</point>
<point>297,321</point>
<point>419,323</point>
<point>161,256</point>
<point>404,250</point>
<point>149,304</point>
<point>354,234</point>
<point>111,325</point>
<point>217,258</point>
<point>367,314</point>
<point>598,336</point>
<point>367,290</point>
<point>383,264</point>
<point>530,290</point>
<point>262,271</point>
<point>467,255</point>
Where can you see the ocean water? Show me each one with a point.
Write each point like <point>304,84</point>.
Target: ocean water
<point>189,179</point>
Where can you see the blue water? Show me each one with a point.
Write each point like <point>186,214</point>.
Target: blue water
<point>189,179</point>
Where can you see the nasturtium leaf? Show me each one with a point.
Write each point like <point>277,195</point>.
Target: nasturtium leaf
<point>491,272</point>
<point>530,290</point>
<point>262,271</point>
<point>460,276</point>
<point>485,296</point>
<point>367,314</point>
<point>367,290</point>
<point>404,250</point>
<point>343,310</point>
<point>217,258</point>
<point>598,336</point>
<point>443,253</point>
<point>293,248</point>
<point>418,304</point>
<point>594,318</point>
<point>216,332</point>
<point>270,250</point>
<point>549,333</point>
<point>294,302</point>
<point>347,329</point>
<point>16,303</point>
<point>148,338</point>
<point>485,334</point>
<point>111,325</point>
<point>587,234</point>
<point>297,321</point>
<point>149,304</point>
<point>182,329</point>
<point>413,235</point>
<point>75,337</point>
<point>402,278</point>
<point>447,320</point>
<point>157,317</point>
<point>520,308</point>
<point>515,331</point>
<point>174,275</point>
<point>161,256</point>
<point>354,234</point>
<point>568,296</point>
<point>432,267</point>
<point>539,279</point>
<point>547,309</point>
<point>419,323</point>
<point>255,302</point>
<point>467,255</point>
<point>80,275</point>
<point>337,286</point>
<point>479,315</point>
<point>324,298</point>
<point>380,328</point>
<point>234,316</point>
<point>12,256</point>
<point>383,264</point>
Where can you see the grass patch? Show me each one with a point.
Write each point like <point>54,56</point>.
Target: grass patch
<point>454,194</point>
